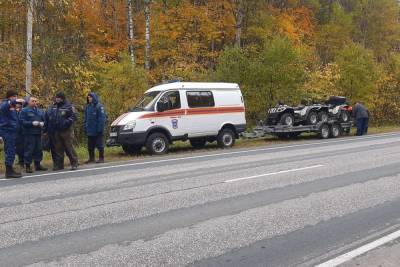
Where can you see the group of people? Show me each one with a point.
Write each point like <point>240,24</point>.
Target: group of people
<point>23,125</point>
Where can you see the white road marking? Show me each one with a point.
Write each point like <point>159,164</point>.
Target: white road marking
<point>205,156</point>
<point>361,250</point>
<point>272,173</point>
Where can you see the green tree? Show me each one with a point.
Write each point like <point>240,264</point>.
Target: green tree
<point>332,36</point>
<point>276,74</point>
<point>233,66</point>
<point>119,85</point>
<point>280,71</point>
<point>377,25</point>
<point>358,72</point>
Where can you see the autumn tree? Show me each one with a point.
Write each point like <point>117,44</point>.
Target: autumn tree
<point>377,25</point>
<point>358,72</point>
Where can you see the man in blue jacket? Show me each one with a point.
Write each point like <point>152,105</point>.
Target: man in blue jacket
<point>8,130</point>
<point>361,115</point>
<point>95,121</point>
<point>32,121</point>
<point>61,119</point>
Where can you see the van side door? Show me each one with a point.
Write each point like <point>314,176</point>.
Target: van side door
<point>172,118</point>
<point>201,113</point>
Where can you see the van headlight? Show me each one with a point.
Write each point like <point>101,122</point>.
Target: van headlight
<point>130,126</point>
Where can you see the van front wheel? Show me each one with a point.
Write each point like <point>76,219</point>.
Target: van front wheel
<point>226,138</point>
<point>157,144</point>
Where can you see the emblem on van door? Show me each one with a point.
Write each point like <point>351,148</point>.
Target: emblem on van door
<point>174,123</point>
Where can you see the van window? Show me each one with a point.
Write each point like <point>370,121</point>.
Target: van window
<point>145,102</point>
<point>173,99</point>
<point>200,99</point>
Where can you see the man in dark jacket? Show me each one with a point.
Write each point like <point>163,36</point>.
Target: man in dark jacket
<point>50,132</point>
<point>95,120</point>
<point>32,120</point>
<point>360,113</point>
<point>8,130</point>
<point>61,118</point>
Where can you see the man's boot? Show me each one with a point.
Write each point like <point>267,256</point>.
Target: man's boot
<point>91,157</point>
<point>39,167</point>
<point>21,164</point>
<point>101,156</point>
<point>10,173</point>
<point>74,166</point>
<point>28,168</point>
<point>57,168</point>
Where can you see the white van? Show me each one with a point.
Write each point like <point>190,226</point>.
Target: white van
<point>198,112</point>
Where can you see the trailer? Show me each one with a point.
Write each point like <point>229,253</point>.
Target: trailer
<point>329,129</point>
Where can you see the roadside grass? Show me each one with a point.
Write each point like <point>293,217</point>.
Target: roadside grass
<point>114,154</point>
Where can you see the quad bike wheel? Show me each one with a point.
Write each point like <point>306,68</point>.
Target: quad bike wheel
<point>344,116</point>
<point>323,116</point>
<point>312,118</point>
<point>287,119</point>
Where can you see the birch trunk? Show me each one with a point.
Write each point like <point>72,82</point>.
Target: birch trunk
<point>147,34</point>
<point>131,47</point>
<point>29,35</point>
<point>239,14</point>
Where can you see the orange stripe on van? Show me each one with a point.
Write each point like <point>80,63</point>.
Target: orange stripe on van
<point>194,111</point>
<point>201,111</point>
<point>169,113</point>
<point>120,118</point>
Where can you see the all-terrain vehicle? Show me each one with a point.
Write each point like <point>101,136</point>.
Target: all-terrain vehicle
<point>304,114</point>
<point>339,108</point>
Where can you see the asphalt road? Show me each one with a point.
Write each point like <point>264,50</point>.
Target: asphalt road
<point>302,204</point>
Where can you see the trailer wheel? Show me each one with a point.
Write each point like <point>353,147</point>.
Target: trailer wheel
<point>324,131</point>
<point>336,130</point>
<point>287,119</point>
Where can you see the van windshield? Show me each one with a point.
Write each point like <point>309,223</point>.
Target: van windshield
<point>146,102</point>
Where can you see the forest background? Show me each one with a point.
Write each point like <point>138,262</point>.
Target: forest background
<point>276,50</point>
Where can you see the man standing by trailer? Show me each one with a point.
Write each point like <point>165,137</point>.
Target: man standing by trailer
<point>361,115</point>
<point>61,118</point>
<point>32,121</point>
<point>8,131</point>
<point>95,121</point>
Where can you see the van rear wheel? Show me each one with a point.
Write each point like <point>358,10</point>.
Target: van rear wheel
<point>198,143</point>
<point>226,138</point>
<point>157,144</point>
